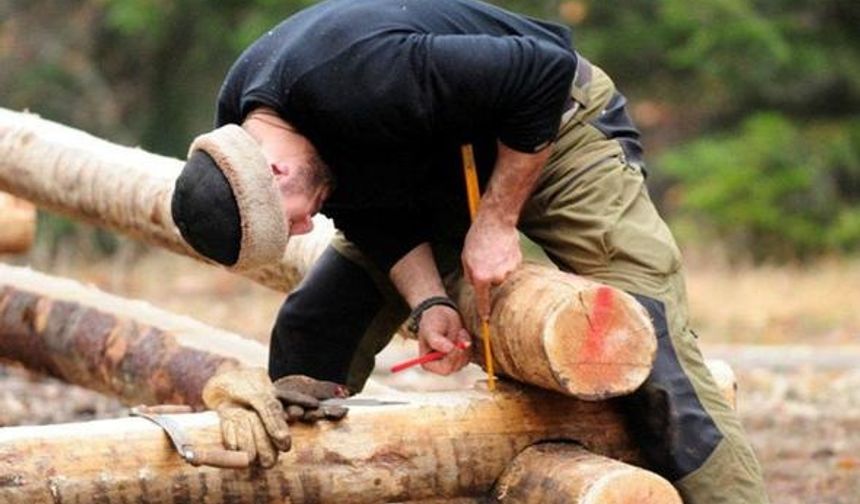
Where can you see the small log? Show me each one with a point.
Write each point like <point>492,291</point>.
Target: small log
<point>565,473</point>
<point>565,333</point>
<point>128,349</point>
<point>435,446</point>
<point>17,224</point>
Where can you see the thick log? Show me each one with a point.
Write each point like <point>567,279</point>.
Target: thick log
<point>563,473</point>
<point>565,333</point>
<point>125,189</point>
<point>17,224</point>
<point>437,445</point>
<point>128,349</point>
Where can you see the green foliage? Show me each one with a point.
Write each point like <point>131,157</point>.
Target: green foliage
<point>720,58</point>
<point>771,188</point>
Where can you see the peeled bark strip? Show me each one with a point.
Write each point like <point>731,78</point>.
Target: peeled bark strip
<point>566,473</point>
<point>17,224</point>
<point>566,333</point>
<point>123,348</point>
<point>124,189</point>
<point>437,446</point>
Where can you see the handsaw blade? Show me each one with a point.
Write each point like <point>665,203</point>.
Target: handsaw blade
<point>169,426</point>
<point>360,401</point>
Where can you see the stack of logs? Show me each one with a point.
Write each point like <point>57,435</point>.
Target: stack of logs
<point>552,433</point>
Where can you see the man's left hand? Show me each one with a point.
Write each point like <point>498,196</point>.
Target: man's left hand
<point>440,330</point>
<point>251,418</point>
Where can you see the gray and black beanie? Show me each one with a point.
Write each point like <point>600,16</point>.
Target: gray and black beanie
<point>225,204</point>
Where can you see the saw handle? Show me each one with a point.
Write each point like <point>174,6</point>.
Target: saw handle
<point>224,459</point>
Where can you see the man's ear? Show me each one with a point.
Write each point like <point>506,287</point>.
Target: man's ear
<point>280,168</point>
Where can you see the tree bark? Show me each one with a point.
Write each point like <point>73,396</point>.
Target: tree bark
<point>123,348</point>
<point>17,225</point>
<point>565,333</point>
<point>562,473</point>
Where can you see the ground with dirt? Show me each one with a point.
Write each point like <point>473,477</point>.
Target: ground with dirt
<point>799,401</point>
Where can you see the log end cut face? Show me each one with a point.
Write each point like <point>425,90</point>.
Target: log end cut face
<point>600,343</point>
<point>630,486</point>
<point>551,473</point>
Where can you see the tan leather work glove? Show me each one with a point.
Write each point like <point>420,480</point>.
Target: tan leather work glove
<point>252,418</point>
<point>301,396</point>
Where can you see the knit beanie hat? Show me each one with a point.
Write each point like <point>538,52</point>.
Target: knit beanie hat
<point>225,203</point>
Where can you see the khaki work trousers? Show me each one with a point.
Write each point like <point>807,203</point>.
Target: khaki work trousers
<point>591,213</point>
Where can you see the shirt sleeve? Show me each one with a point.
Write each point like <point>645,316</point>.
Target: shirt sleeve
<point>520,83</point>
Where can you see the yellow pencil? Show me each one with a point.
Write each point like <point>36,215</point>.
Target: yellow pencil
<point>473,194</point>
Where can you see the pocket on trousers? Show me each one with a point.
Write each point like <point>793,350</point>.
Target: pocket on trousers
<point>640,237</point>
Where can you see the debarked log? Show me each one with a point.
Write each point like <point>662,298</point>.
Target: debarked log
<point>17,224</point>
<point>127,349</point>
<point>565,333</point>
<point>434,445</point>
<point>125,189</point>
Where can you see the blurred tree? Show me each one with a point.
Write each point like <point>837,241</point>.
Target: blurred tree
<point>772,189</point>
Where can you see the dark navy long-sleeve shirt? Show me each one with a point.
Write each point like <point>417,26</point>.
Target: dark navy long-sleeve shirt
<point>387,91</point>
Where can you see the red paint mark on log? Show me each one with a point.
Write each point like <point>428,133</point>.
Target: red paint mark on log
<point>598,324</point>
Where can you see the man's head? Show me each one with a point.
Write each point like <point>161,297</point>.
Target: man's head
<point>243,191</point>
<point>225,203</point>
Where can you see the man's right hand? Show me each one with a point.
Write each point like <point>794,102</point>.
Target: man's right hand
<point>441,328</point>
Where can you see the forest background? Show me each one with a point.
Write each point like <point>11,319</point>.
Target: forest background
<point>749,108</point>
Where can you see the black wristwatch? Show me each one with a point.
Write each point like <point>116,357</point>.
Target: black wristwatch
<point>415,316</point>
